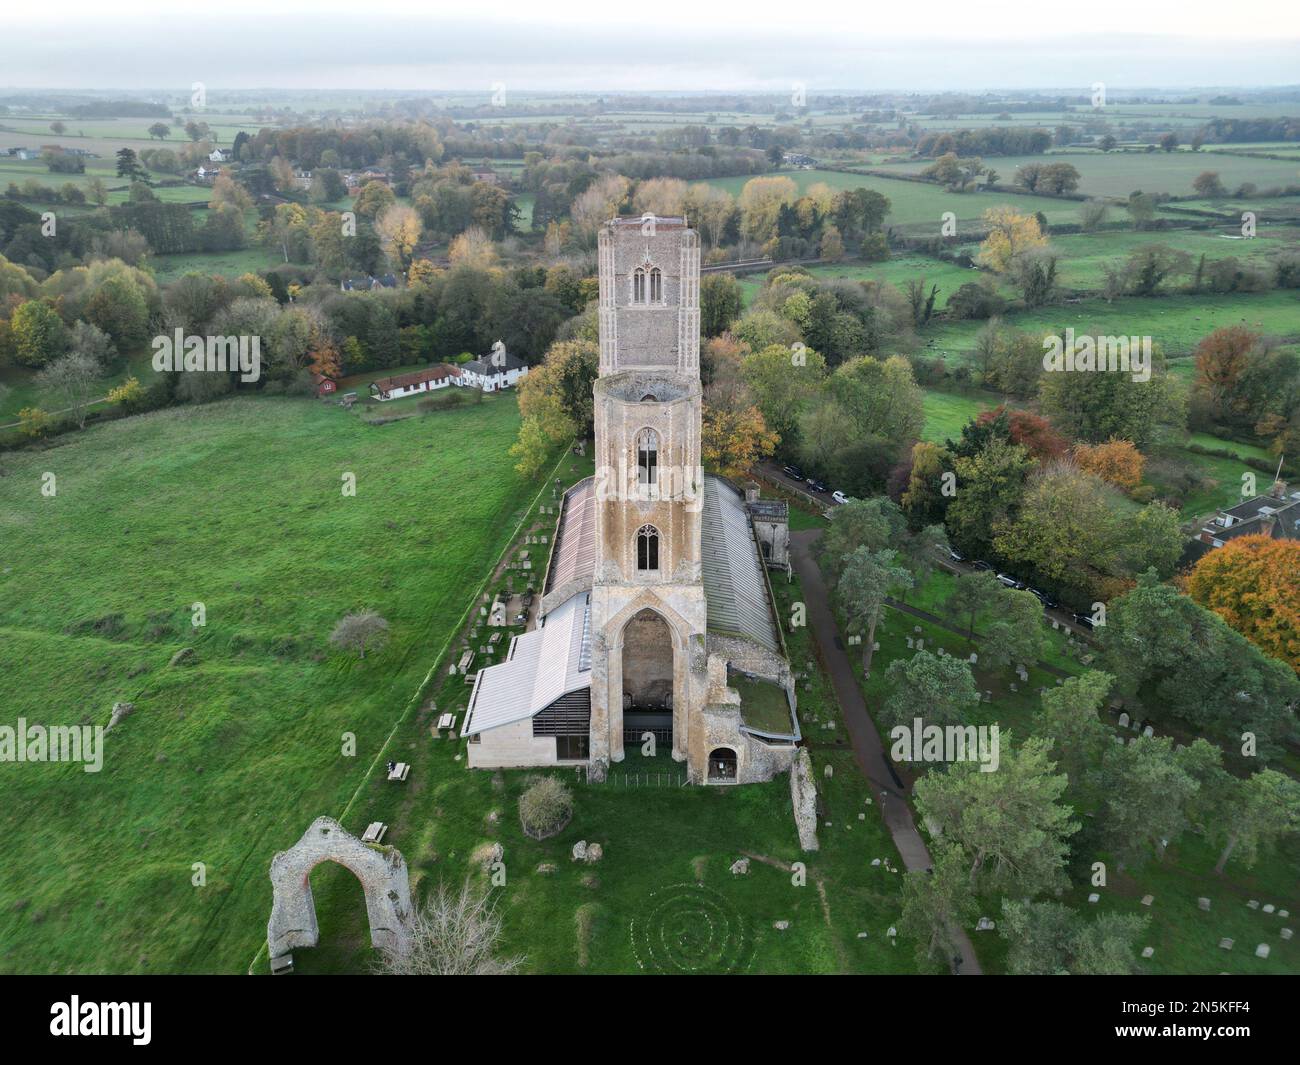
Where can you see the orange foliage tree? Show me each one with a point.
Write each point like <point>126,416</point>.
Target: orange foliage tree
<point>1253,583</point>
<point>1031,431</point>
<point>1116,461</point>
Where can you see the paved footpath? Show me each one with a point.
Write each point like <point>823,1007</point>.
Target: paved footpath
<point>890,789</point>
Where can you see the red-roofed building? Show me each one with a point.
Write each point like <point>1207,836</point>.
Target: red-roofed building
<point>413,384</point>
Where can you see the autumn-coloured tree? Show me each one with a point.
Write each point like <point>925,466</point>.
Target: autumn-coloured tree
<point>734,441</point>
<point>473,248</point>
<point>1116,461</point>
<point>556,402</point>
<point>1222,358</point>
<point>1031,431</point>
<point>1011,234</point>
<point>1253,583</point>
<point>399,231</point>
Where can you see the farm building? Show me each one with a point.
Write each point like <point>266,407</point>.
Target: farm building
<point>325,386</point>
<point>414,384</point>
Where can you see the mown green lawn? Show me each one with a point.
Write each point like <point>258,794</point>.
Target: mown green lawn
<point>237,506</point>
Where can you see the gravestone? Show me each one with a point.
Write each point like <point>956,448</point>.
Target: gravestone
<point>1262,950</point>
<point>1269,907</point>
<point>1225,943</point>
<point>1148,951</point>
<point>1285,933</point>
<point>1203,904</point>
<point>1094,897</point>
<point>1148,732</point>
<point>1123,720</point>
<point>1147,900</point>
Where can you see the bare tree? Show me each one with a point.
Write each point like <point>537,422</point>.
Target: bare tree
<point>453,935</point>
<point>74,379</point>
<point>359,632</point>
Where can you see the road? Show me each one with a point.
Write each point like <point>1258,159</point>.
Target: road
<point>891,789</point>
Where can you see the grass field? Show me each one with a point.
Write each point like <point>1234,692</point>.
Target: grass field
<point>225,761</point>
<point>1177,323</point>
<point>946,412</point>
<point>1084,256</point>
<point>1119,173</point>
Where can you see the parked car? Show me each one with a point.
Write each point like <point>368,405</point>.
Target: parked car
<point>981,564</point>
<point>818,485</point>
<point>839,497</point>
<point>1085,621</point>
<point>1012,582</point>
<point>1045,599</point>
<point>793,472</point>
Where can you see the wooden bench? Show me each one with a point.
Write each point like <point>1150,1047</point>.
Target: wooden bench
<point>374,833</point>
<point>399,772</point>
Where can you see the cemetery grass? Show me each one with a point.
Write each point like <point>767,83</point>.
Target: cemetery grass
<point>1185,939</point>
<point>662,842</point>
<point>237,505</point>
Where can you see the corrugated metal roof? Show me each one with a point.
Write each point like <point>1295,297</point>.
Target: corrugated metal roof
<point>543,666</point>
<point>574,553</point>
<point>735,585</point>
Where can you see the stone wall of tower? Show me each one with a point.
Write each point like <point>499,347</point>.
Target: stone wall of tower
<point>663,333</point>
<point>673,504</point>
<point>649,379</point>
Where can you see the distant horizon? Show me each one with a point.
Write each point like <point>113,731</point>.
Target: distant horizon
<point>730,46</point>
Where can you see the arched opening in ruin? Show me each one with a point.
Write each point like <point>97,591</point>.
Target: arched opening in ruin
<point>381,871</point>
<point>722,765</point>
<point>647,679</point>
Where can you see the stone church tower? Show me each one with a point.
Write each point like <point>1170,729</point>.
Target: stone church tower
<point>648,608</point>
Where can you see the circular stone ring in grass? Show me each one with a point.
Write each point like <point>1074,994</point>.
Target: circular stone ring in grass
<point>687,928</point>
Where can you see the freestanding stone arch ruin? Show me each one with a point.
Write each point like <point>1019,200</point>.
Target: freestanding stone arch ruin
<point>381,870</point>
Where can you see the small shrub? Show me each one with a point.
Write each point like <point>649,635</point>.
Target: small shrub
<point>545,807</point>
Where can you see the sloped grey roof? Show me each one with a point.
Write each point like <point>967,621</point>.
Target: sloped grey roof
<point>573,555</point>
<point>735,585</point>
<point>543,666</point>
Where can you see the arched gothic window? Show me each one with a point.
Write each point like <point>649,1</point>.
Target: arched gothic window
<point>638,285</point>
<point>656,286</point>
<point>647,457</point>
<point>647,548</point>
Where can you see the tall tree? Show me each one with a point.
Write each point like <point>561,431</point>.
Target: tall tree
<point>1011,826</point>
<point>866,581</point>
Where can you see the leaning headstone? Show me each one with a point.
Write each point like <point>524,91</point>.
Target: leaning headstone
<point>1253,904</point>
<point>740,867</point>
<point>1262,950</point>
<point>875,861</point>
<point>1203,904</point>
<point>1284,913</point>
<point>1225,944</point>
<point>1147,900</point>
<point>1269,907</point>
<point>1094,897</point>
<point>1285,933</point>
<point>1148,951</point>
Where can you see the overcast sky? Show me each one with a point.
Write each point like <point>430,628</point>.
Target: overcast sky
<point>675,45</point>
